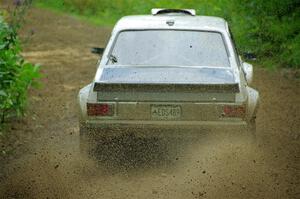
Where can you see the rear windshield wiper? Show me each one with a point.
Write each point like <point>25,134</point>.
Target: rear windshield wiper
<point>113,59</point>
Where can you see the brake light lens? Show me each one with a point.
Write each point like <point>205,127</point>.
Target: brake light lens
<point>100,109</point>
<point>234,111</point>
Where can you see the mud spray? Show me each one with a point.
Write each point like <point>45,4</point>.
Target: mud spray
<point>131,167</point>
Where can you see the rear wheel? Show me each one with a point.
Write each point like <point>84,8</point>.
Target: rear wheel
<point>87,144</point>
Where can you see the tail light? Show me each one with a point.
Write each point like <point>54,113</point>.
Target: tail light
<point>234,111</point>
<point>100,109</point>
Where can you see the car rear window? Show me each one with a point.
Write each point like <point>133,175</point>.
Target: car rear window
<point>169,48</point>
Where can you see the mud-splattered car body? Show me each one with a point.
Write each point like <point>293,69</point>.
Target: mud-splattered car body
<point>170,70</point>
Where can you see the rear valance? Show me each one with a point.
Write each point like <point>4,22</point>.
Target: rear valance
<point>138,87</point>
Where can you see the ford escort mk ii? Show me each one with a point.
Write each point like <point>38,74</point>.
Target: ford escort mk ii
<point>169,71</point>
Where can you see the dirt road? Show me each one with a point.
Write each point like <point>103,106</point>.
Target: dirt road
<point>47,163</point>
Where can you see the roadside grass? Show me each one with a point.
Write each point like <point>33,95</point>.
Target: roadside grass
<point>93,20</point>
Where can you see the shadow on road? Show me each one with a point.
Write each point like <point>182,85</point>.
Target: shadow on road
<point>129,153</point>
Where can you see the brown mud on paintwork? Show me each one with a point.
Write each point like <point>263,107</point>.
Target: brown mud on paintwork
<point>47,162</point>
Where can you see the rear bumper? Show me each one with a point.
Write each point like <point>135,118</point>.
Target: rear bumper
<point>163,124</point>
<point>159,128</point>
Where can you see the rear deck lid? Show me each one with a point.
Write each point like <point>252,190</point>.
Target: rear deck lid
<point>213,79</point>
<point>167,75</point>
<point>165,84</point>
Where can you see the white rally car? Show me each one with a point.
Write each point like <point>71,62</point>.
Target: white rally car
<point>171,71</point>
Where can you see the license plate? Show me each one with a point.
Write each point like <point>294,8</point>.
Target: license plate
<point>165,112</point>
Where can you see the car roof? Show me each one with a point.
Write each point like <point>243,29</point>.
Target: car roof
<point>178,21</point>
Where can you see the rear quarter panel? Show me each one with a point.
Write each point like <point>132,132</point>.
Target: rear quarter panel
<point>253,103</point>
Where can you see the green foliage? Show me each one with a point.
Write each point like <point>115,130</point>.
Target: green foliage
<point>16,75</point>
<point>268,28</point>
